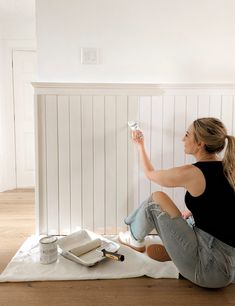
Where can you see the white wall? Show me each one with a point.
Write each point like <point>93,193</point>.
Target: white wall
<point>17,31</point>
<point>150,41</point>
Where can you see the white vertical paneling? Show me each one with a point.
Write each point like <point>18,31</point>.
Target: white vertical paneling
<point>227,112</point>
<point>179,131</point>
<point>215,106</point>
<point>168,136</point>
<point>76,162</point>
<point>99,164</point>
<point>191,115</point>
<point>233,133</point>
<point>41,171</point>
<point>122,148</point>
<point>145,122</point>
<point>156,136</point>
<point>203,106</point>
<point>87,163</point>
<point>191,110</point>
<point>133,164</point>
<point>89,173</point>
<point>64,164</point>
<point>110,165</point>
<point>52,164</point>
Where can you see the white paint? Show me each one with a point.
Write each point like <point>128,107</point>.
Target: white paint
<point>154,41</point>
<point>88,169</point>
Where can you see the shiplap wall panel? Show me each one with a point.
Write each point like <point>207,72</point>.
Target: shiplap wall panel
<point>64,165</point>
<point>156,136</point>
<point>179,131</point>
<point>122,160</point>
<point>145,108</point>
<point>41,170</point>
<point>110,164</point>
<point>215,106</point>
<point>227,112</point>
<point>233,131</point>
<point>89,173</point>
<point>133,158</point>
<point>168,137</point>
<point>191,115</point>
<point>75,162</point>
<point>87,163</point>
<point>99,163</point>
<point>203,106</point>
<point>52,171</point>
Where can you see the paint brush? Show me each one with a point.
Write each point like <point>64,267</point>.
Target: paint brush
<point>134,126</point>
<point>112,255</point>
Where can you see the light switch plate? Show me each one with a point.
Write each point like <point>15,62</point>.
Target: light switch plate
<point>89,56</point>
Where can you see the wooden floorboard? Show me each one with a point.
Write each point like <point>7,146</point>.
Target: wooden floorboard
<point>17,223</point>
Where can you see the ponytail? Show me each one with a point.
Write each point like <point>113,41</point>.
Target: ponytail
<point>229,160</point>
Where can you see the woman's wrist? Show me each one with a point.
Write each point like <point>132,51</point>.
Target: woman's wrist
<point>141,146</point>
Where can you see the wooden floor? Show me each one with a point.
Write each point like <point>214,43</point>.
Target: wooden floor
<point>17,223</point>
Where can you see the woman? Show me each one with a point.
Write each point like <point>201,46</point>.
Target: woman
<point>205,252</point>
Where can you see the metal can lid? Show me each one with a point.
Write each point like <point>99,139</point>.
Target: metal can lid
<point>48,239</point>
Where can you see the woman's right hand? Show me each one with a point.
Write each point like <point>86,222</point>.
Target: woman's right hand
<point>138,137</point>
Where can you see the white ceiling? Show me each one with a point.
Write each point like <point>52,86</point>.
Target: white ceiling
<point>17,9</point>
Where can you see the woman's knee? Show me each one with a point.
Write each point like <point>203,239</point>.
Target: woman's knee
<point>158,196</point>
<point>166,203</point>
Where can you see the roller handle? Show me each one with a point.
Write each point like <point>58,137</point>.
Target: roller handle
<point>114,256</point>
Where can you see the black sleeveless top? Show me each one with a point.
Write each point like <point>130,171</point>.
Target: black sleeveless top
<point>214,210</point>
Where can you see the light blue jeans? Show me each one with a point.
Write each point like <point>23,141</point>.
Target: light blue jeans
<point>199,257</point>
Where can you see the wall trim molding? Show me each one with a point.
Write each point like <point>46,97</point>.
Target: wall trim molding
<point>132,85</point>
<point>131,88</point>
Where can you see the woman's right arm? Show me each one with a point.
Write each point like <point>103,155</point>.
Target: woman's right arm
<point>174,177</point>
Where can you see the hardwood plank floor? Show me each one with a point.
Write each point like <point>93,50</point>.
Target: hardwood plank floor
<point>17,223</point>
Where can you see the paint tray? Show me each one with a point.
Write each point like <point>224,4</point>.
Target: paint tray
<point>81,238</point>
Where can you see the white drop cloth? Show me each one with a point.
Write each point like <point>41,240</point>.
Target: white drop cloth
<point>25,266</point>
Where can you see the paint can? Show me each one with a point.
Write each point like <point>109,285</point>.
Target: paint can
<point>48,249</point>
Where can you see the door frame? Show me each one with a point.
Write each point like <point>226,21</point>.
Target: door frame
<point>14,106</point>
<point>8,180</point>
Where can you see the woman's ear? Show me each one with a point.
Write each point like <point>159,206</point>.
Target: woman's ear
<point>201,145</point>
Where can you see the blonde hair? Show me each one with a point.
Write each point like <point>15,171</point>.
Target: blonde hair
<point>213,133</point>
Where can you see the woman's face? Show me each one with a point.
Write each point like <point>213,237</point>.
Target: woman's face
<point>190,144</point>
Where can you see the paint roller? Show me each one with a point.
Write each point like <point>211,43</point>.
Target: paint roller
<point>93,245</point>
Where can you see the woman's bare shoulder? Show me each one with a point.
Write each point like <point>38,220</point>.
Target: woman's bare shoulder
<point>195,181</point>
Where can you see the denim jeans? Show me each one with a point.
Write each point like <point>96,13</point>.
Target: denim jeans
<point>199,257</point>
